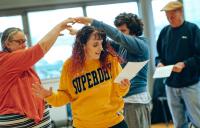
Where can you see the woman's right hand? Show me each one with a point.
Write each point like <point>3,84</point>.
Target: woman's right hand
<point>72,31</point>
<point>50,38</point>
<point>65,24</point>
<point>40,91</point>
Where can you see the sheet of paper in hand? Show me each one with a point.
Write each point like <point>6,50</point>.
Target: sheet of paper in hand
<point>163,72</point>
<point>130,70</point>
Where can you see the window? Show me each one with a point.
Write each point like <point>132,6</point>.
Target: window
<point>10,21</point>
<point>159,16</point>
<point>40,23</point>
<point>191,11</point>
<point>160,19</point>
<point>107,13</point>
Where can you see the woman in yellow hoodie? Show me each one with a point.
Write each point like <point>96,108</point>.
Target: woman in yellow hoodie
<point>87,82</point>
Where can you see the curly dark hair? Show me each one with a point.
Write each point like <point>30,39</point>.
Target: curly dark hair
<point>78,54</point>
<point>133,22</point>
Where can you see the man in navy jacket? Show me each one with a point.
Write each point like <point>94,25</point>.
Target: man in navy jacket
<point>179,45</point>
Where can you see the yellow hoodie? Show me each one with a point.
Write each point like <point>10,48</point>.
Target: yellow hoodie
<point>96,100</point>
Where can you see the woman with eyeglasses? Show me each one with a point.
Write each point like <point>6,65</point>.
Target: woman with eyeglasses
<point>87,83</point>
<point>19,107</point>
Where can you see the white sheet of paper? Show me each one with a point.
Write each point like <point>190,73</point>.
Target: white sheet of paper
<point>162,72</point>
<point>130,70</point>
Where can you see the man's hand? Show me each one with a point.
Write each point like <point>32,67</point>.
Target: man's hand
<point>160,65</point>
<point>178,67</point>
<point>84,20</point>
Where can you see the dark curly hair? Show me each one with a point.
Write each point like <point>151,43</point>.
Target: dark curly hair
<point>78,54</point>
<point>134,24</point>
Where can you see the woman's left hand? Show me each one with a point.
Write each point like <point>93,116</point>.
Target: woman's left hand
<point>125,83</point>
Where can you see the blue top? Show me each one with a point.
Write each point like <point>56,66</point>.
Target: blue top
<point>181,44</point>
<point>132,49</point>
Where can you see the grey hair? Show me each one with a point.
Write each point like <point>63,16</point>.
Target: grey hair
<point>7,35</point>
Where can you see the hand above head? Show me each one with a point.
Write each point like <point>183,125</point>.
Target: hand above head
<point>40,91</point>
<point>83,20</point>
<point>125,83</point>
<point>65,24</point>
<point>50,38</point>
<point>72,31</point>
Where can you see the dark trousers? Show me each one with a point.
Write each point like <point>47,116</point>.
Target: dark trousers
<point>120,125</point>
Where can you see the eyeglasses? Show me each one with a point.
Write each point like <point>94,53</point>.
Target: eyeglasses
<point>20,41</point>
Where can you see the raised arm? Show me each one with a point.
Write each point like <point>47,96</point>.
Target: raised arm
<point>137,45</point>
<point>49,39</point>
<point>22,59</point>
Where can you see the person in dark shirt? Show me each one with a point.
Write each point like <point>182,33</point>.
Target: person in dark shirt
<point>179,45</point>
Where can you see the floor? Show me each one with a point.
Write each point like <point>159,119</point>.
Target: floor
<point>162,125</point>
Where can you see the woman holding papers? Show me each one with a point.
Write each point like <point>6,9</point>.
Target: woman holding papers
<point>132,47</point>
<point>87,82</point>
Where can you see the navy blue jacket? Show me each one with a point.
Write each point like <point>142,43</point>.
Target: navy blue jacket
<point>181,44</point>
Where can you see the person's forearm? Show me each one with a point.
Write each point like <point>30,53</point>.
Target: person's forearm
<point>192,62</point>
<point>58,99</point>
<point>133,44</point>
<point>49,39</point>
